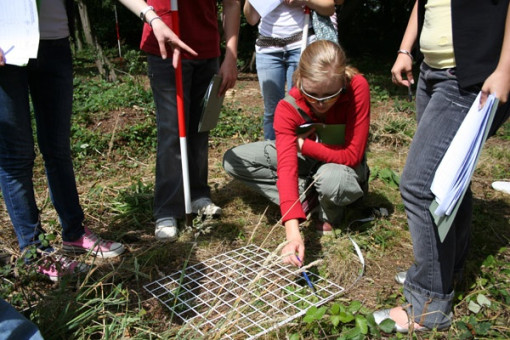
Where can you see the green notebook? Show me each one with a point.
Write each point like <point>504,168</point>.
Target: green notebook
<point>333,134</point>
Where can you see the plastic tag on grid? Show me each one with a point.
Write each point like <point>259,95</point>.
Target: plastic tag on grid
<point>241,294</point>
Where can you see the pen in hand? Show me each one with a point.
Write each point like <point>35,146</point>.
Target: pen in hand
<point>3,59</point>
<point>9,50</point>
<point>307,279</point>
<point>409,93</point>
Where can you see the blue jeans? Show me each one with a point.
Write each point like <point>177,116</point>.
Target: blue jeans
<point>196,75</point>
<point>49,80</point>
<point>441,106</point>
<point>14,326</point>
<point>274,70</point>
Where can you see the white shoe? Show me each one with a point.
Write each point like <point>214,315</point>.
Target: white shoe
<point>167,229</point>
<point>204,206</point>
<point>400,277</point>
<point>502,186</point>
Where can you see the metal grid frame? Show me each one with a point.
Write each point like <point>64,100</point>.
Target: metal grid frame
<point>244,293</point>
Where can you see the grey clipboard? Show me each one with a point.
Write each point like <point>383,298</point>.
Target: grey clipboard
<point>211,105</point>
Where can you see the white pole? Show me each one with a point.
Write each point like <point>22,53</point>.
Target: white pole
<point>117,29</point>
<point>304,40</point>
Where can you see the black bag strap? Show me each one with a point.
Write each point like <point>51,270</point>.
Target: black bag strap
<point>292,101</point>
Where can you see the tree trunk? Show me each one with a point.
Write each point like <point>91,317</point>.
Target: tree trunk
<point>85,23</point>
<point>78,45</point>
<point>104,66</point>
<point>101,61</point>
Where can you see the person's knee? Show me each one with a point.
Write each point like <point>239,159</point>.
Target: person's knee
<point>338,183</point>
<point>234,161</point>
<point>329,176</point>
<point>406,186</point>
<point>229,159</point>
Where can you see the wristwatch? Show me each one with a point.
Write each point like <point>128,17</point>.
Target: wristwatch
<point>144,11</point>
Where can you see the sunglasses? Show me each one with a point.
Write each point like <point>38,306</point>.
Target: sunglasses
<point>324,100</point>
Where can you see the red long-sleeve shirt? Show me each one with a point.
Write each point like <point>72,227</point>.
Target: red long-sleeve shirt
<point>352,109</point>
<point>198,27</point>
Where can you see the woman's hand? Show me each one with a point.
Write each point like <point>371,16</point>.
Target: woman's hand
<point>163,33</point>
<point>295,245</point>
<point>228,73</point>
<point>403,65</point>
<point>300,140</point>
<point>2,57</point>
<point>165,36</point>
<point>498,84</point>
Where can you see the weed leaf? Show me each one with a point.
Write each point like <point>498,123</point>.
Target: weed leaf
<point>362,324</point>
<point>483,300</point>
<point>387,326</point>
<point>474,307</point>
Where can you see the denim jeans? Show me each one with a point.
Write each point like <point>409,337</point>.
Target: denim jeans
<point>14,326</point>
<point>196,75</point>
<point>337,185</point>
<point>441,106</point>
<point>274,70</point>
<point>49,81</point>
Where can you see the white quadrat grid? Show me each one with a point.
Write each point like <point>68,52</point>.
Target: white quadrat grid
<point>241,294</point>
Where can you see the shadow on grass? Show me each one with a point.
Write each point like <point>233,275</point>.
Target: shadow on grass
<point>490,233</point>
<point>258,204</point>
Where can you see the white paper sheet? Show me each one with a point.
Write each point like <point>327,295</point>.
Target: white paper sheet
<point>263,7</point>
<point>458,164</point>
<point>19,30</point>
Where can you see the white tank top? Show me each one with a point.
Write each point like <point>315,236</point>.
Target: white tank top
<point>282,22</point>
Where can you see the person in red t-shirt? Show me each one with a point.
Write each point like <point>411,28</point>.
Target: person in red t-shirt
<point>163,34</point>
<point>326,91</point>
<point>198,27</point>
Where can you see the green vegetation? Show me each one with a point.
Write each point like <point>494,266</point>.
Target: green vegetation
<point>114,143</point>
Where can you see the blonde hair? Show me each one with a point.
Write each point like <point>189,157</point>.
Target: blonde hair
<point>322,60</point>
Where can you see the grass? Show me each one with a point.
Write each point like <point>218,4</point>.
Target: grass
<point>114,143</point>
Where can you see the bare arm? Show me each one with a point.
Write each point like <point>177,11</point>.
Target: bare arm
<point>251,14</point>
<point>163,33</point>
<point>231,21</point>
<point>404,63</point>
<point>498,83</point>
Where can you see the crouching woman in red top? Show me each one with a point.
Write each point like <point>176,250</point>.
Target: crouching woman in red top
<point>328,167</point>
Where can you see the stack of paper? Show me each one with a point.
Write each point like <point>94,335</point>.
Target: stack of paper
<point>19,36</point>
<point>263,7</point>
<point>454,173</point>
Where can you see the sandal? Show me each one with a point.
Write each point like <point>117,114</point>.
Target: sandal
<point>381,315</point>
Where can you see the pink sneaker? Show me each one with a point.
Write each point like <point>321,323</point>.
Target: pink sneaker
<point>93,244</point>
<point>324,228</point>
<point>57,266</point>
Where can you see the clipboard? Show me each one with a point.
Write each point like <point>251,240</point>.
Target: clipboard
<point>211,106</point>
<point>332,134</point>
<point>456,187</point>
